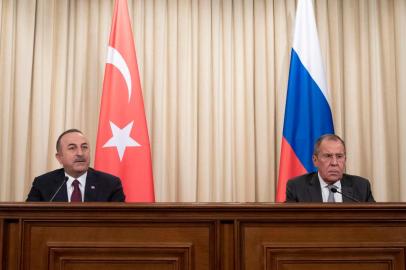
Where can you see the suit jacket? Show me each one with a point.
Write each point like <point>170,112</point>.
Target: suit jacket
<point>306,188</point>
<point>100,187</point>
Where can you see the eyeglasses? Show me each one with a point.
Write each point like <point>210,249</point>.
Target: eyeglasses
<point>340,157</point>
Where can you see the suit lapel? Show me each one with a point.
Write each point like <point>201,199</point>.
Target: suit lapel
<point>62,195</point>
<point>314,189</point>
<point>91,187</point>
<point>347,188</point>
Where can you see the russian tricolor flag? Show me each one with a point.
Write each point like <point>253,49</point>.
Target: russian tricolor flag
<point>307,112</point>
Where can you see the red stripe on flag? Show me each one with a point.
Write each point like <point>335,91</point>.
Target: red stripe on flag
<point>289,167</point>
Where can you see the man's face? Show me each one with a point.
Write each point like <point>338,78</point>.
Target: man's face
<point>330,160</point>
<point>74,154</point>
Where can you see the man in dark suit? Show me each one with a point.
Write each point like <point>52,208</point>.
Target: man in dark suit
<point>75,182</point>
<point>330,183</point>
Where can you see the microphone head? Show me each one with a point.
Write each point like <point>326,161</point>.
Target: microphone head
<point>334,190</point>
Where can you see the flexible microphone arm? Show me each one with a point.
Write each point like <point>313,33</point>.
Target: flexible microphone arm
<point>59,188</point>
<point>334,190</point>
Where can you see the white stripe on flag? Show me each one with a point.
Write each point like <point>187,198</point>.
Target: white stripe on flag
<point>307,46</point>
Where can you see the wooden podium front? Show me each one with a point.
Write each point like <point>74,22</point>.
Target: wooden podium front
<point>115,236</point>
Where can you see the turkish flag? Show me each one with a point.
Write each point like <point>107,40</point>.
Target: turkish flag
<point>122,147</point>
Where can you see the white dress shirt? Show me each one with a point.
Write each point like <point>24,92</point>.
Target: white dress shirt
<point>82,184</point>
<point>325,191</point>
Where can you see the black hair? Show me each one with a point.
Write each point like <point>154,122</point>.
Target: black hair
<point>58,142</point>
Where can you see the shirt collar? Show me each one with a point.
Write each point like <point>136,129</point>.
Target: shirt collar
<point>81,179</point>
<point>324,184</point>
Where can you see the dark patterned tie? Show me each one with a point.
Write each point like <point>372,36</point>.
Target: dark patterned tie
<point>76,194</point>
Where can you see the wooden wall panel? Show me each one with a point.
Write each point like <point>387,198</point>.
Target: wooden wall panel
<point>122,244</point>
<point>145,256</point>
<point>11,243</point>
<point>334,245</point>
<point>349,258</point>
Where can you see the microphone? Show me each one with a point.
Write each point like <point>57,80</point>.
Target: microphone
<point>59,188</point>
<point>334,190</point>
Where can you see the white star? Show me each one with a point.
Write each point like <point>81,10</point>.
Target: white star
<point>121,139</point>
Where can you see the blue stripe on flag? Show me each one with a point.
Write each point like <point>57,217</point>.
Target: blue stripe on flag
<point>307,113</point>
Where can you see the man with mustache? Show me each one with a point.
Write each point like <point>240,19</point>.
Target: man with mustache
<point>75,182</point>
<point>330,183</point>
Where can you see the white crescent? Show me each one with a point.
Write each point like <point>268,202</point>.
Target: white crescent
<point>116,59</point>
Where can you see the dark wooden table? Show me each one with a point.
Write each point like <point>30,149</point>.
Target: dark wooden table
<point>199,236</point>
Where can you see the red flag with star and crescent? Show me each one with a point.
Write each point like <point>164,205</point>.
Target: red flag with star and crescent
<point>122,147</point>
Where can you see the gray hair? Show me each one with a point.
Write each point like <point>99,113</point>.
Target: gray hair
<point>326,137</point>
